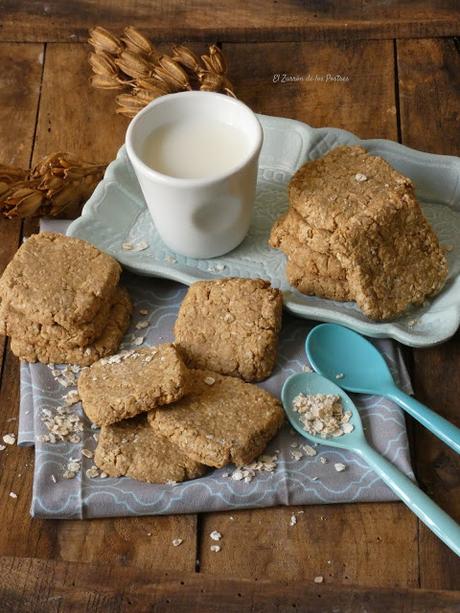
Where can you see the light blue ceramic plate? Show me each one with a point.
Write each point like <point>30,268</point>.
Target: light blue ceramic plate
<point>116,213</point>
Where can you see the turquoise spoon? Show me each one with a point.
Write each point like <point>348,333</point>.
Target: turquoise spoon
<point>335,350</point>
<point>430,514</point>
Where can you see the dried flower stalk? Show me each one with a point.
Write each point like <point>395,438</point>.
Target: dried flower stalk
<point>56,186</point>
<point>133,65</point>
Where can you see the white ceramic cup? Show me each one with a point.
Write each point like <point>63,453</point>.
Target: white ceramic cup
<point>206,217</point>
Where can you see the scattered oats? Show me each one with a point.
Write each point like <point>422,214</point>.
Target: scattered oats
<point>170,259</point>
<point>177,542</point>
<point>140,246</point>
<point>412,322</point>
<point>87,453</point>
<point>293,520</point>
<point>321,414</point>
<point>13,495</point>
<point>225,474</point>
<point>53,478</point>
<point>296,454</point>
<point>314,478</point>
<point>237,475</point>
<point>2,447</point>
<point>360,177</point>
<point>138,340</point>
<point>323,460</point>
<point>309,450</point>
<point>142,324</point>
<point>74,465</point>
<point>71,398</point>
<point>68,474</point>
<point>306,368</point>
<point>9,439</point>
<point>318,579</point>
<point>339,467</point>
<point>209,380</point>
<point>347,428</point>
<point>171,482</point>
<point>264,463</point>
<point>220,267</point>
<point>215,535</point>
<point>103,475</point>
<point>339,375</point>
<point>215,548</point>
<point>92,472</point>
<point>74,438</point>
<point>143,311</point>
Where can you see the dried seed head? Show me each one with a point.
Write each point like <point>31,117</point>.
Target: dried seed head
<point>23,202</point>
<point>215,61</point>
<point>137,42</point>
<point>186,57</point>
<point>134,65</point>
<point>102,64</point>
<point>173,71</point>
<point>103,40</point>
<point>105,82</point>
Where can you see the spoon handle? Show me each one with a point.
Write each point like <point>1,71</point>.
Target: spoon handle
<point>426,510</point>
<point>442,428</point>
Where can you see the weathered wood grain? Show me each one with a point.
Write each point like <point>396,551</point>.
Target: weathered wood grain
<point>364,102</point>
<point>238,20</point>
<point>429,86</point>
<point>39,586</point>
<point>74,117</point>
<point>353,543</point>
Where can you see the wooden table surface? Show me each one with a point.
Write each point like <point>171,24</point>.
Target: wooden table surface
<point>403,67</point>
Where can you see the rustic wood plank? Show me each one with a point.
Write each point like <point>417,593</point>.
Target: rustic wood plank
<point>429,85</point>
<point>40,586</point>
<point>364,103</point>
<point>349,545</point>
<point>236,21</point>
<point>20,77</point>
<point>74,117</point>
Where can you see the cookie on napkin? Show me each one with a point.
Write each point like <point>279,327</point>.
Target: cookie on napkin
<point>221,420</point>
<point>230,326</point>
<point>132,382</point>
<point>132,448</point>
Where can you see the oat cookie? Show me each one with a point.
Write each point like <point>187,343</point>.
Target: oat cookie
<point>221,420</point>
<point>230,326</point>
<point>108,343</point>
<point>362,215</point>
<point>15,324</point>
<point>132,382</point>
<point>132,448</point>
<point>57,279</point>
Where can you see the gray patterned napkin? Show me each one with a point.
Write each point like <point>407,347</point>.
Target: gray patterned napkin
<point>297,478</point>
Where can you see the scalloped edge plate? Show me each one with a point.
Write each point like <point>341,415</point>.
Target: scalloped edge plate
<point>116,213</point>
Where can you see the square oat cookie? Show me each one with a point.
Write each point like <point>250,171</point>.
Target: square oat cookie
<point>230,326</point>
<point>107,343</point>
<point>57,279</point>
<point>221,420</point>
<point>132,382</point>
<point>133,449</point>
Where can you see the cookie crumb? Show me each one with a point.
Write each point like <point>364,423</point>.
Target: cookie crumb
<point>318,579</point>
<point>293,520</point>
<point>360,177</point>
<point>177,542</point>
<point>215,535</point>
<point>142,324</point>
<point>339,375</point>
<point>215,548</point>
<point>10,438</point>
<point>13,495</point>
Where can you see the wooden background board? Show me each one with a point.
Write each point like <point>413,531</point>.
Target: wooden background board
<point>233,20</point>
<point>406,89</point>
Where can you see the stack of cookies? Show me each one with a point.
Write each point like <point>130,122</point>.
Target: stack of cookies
<point>61,302</point>
<point>355,231</point>
<point>167,413</point>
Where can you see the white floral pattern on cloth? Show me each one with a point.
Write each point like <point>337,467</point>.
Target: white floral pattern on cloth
<point>298,478</point>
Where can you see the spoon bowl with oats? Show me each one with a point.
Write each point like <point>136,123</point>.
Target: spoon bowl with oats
<point>323,413</point>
